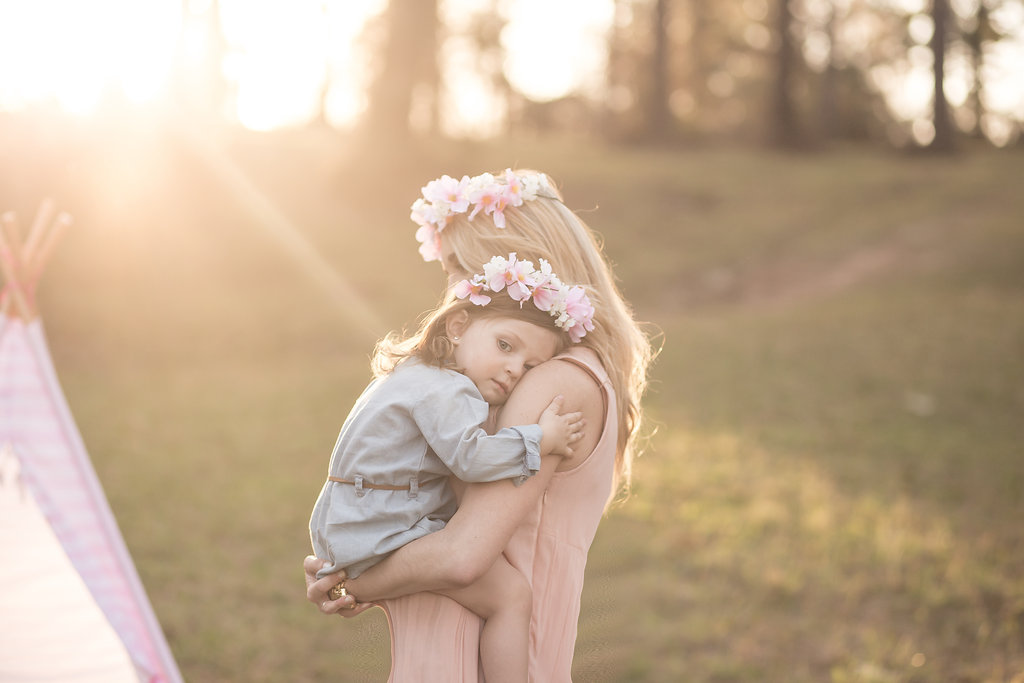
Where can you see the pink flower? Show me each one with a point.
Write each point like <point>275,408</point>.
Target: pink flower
<point>484,200</point>
<point>430,242</point>
<point>520,279</point>
<point>546,287</point>
<point>513,189</point>
<point>517,276</point>
<point>569,306</point>
<point>494,273</point>
<point>511,194</point>
<point>577,303</point>
<point>498,209</point>
<point>545,295</point>
<point>482,191</point>
<point>580,312</point>
<point>474,290</point>
<point>445,197</point>
<point>449,191</point>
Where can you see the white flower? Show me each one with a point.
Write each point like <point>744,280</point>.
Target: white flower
<point>569,306</point>
<point>443,197</point>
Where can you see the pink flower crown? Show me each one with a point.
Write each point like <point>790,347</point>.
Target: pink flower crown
<point>445,197</point>
<point>569,306</point>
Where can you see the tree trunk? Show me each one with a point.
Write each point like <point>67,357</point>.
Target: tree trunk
<point>828,111</point>
<point>943,140</point>
<point>785,129</point>
<point>976,43</point>
<point>409,58</point>
<point>659,116</point>
<point>700,57</point>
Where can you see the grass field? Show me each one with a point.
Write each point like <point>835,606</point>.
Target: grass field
<point>834,486</point>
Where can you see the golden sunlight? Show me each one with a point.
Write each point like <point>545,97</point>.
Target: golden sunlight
<point>75,53</point>
<point>555,48</point>
<point>285,63</point>
<point>277,56</point>
<point>281,55</point>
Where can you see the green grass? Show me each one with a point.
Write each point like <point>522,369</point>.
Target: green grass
<point>835,488</point>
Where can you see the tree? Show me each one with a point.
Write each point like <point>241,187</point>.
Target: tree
<point>974,37</point>
<point>658,114</point>
<point>482,34</point>
<point>828,109</point>
<point>943,140</point>
<point>785,128</point>
<point>408,60</point>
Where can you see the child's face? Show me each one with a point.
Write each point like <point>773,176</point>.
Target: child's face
<point>496,352</point>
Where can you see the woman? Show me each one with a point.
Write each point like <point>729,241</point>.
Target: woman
<point>544,527</point>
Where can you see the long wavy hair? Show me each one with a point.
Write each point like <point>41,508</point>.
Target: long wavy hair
<point>546,228</point>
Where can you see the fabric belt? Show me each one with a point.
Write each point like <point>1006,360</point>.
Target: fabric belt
<point>361,483</point>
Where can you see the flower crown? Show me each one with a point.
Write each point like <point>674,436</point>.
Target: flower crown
<point>569,306</point>
<point>446,196</point>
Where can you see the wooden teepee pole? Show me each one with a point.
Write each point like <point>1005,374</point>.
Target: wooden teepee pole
<point>13,290</point>
<point>38,229</point>
<point>22,262</point>
<point>36,260</point>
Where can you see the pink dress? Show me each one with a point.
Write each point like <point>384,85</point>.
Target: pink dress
<point>433,638</point>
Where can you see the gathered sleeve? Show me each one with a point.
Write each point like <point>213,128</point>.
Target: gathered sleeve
<point>451,415</point>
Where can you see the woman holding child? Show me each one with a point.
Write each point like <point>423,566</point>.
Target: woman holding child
<point>543,527</point>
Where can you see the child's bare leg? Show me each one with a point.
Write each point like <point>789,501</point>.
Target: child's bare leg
<point>503,598</point>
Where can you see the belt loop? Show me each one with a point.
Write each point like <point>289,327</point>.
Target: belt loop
<point>414,487</point>
<point>358,481</point>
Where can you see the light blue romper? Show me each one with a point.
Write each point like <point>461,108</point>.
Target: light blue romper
<point>412,428</point>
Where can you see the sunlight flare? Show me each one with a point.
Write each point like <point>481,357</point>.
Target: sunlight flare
<point>77,53</point>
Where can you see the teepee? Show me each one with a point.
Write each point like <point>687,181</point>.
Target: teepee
<point>72,607</point>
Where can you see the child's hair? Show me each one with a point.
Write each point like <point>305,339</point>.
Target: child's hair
<point>544,227</point>
<point>430,343</point>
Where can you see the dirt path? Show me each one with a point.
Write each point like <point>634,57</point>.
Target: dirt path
<point>788,281</point>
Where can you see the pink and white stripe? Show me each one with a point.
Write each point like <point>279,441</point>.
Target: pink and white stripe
<point>36,424</point>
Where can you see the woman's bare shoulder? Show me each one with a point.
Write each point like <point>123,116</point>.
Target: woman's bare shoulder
<point>580,392</point>
<point>559,377</point>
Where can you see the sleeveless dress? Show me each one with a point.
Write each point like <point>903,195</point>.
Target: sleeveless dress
<point>433,638</point>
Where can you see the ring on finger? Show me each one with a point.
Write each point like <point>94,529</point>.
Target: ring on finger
<point>337,591</point>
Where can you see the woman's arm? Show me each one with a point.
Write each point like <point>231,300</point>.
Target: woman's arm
<point>489,513</point>
<point>448,559</point>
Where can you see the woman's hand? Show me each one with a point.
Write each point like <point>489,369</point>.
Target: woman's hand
<point>316,591</point>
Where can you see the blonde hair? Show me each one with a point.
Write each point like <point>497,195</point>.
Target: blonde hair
<point>430,342</point>
<point>546,228</point>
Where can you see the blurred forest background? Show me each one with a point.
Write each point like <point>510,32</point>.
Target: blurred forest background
<point>796,73</point>
<point>816,205</point>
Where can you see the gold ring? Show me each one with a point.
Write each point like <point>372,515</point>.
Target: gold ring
<point>337,591</point>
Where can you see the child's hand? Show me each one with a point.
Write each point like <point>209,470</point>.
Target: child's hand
<point>560,431</point>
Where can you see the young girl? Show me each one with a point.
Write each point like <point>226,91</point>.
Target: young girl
<point>422,419</point>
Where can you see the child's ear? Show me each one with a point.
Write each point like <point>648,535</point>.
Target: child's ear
<point>456,323</point>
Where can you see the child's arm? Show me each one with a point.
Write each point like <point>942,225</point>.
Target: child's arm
<point>452,422</point>
<point>488,515</point>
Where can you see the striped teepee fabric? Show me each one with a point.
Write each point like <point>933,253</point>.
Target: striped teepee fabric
<point>37,427</point>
